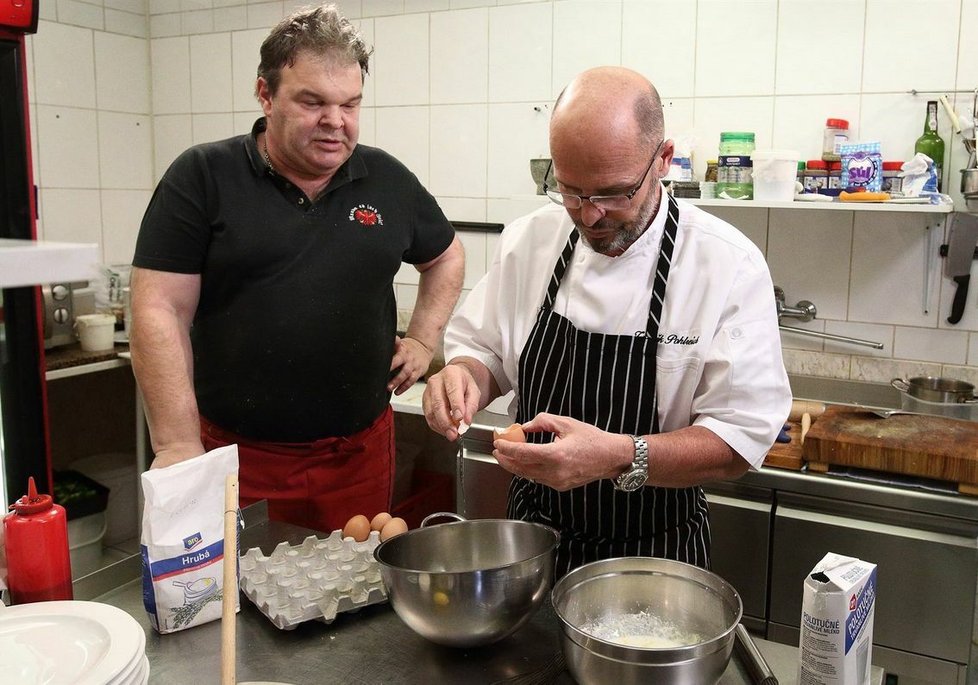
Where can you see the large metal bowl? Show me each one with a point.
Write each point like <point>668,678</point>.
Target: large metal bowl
<point>468,583</point>
<point>692,600</point>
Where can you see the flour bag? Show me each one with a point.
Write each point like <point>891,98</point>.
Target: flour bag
<point>182,541</point>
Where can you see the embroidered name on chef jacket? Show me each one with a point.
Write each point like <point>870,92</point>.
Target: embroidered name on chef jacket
<point>673,339</point>
<point>366,215</point>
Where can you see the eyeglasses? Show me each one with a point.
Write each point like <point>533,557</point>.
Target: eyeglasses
<point>605,202</point>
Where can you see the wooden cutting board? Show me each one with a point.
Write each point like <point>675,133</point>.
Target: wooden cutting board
<point>909,444</point>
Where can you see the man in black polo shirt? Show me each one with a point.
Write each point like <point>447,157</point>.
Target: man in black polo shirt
<point>262,288</point>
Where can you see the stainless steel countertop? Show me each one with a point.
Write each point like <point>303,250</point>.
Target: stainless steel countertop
<point>369,646</point>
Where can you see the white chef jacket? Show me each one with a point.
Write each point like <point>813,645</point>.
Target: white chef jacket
<point>718,363</point>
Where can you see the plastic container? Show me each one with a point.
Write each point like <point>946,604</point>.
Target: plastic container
<point>38,559</point>
<point>836,135</point>
<point>734,165</point>
<point>117,472</point>
<point>85,537</point>
<point>816,178</point>
<point>96,332</point>
<point>892,181</point>
<point>774,174</point>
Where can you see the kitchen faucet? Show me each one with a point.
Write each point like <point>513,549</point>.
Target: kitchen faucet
<point>805,310</point>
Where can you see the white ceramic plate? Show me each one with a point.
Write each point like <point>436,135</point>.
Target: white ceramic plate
<point>62,643</point>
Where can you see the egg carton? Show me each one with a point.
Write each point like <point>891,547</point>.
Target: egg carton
<point>315,580</point>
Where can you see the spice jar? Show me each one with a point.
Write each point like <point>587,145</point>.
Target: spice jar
<point>836,134</point>
<point>834,186</point>
<point>892,181</point>
<point>711,170</point>
<point>816,176</point>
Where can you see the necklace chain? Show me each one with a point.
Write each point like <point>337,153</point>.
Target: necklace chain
<point>268,160</point>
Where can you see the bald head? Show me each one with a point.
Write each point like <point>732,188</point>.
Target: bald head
<point>609,105</point>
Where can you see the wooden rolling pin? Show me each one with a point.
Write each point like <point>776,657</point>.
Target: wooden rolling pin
<point>800,407</point>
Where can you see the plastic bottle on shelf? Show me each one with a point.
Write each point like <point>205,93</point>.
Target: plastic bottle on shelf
<point>734,166</point>
<point>836,135</point>
<point>38,559</point>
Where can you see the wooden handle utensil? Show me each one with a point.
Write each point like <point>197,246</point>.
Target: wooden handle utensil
<point>229,603</point>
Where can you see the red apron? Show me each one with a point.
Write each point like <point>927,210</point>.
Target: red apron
<point>318,485</point>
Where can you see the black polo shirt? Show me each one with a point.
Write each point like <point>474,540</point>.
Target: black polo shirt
<point>294,332</point>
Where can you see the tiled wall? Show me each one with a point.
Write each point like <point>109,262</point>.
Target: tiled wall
<point>461,91</point>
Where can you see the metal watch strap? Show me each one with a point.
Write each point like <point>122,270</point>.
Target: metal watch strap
<point>638,473</point>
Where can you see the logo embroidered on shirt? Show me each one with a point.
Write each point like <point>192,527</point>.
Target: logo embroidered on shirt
<point>673,339</point>
<point>366,215</point>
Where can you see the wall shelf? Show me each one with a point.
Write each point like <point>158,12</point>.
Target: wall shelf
<point>30,262</point>
<point>828,206</point>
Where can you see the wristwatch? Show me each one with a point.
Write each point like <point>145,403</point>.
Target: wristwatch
<point>638,473</point>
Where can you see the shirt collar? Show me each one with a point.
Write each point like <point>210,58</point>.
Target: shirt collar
<point>353,168</point>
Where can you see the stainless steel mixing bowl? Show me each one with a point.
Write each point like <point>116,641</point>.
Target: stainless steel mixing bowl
<point>694,601</point>
<point>468,583</point>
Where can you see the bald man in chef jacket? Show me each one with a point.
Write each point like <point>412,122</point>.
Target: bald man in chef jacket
<point>639,334</point>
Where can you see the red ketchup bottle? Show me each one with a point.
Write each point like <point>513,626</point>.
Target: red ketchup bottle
<point>38,563</point>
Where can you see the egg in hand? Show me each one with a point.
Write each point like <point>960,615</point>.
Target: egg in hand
<point>513,433</point>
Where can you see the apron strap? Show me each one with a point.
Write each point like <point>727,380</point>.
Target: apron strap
<point>662,266</point>
<point>560,268</point>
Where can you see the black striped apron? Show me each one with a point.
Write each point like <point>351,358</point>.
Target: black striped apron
<point>607,381</point>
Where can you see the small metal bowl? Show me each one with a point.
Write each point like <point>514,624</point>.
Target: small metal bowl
<point>694,601</point>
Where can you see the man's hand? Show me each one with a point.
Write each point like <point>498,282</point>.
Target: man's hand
<point>175,454</point>
<point>579,454</point>
<point>411,360</point>
<point>450,399</point>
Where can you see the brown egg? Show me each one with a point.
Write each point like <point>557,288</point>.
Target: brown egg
<point>357,528</point>
<point>379,521</point>
<point>395,526</point>
<point>513,433</point>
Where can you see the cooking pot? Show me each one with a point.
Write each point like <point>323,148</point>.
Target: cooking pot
<point>697,609</point>
<point>932,389</point>
<point>468,583</point>
<point>969,182</point>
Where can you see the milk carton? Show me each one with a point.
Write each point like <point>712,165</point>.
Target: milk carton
<point>836,644</point>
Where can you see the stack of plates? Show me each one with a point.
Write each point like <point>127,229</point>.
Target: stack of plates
<point>57,643</point>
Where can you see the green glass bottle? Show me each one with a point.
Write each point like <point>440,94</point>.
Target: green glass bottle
<point>931,144</point>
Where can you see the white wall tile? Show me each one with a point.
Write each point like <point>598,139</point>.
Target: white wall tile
<point>800,341</point>
<point>127,23</point>
<point>407,296</point>
<point>165,25</point>
<point>245,57</point>
<point>669,64</point>
<point>172,134</point>
<point>170,62</point>
<point>265,14</point>
<point>832,63</point>
<point>888,270</point>
<point>462,4</point>
<point>460,56</point>
<point>67,147</point>
<point>122,211</point>
<point>231,18</point>
<point>71,215</point>
<point>403,132</point>
<point>891,24</point>
<point>366,27</point>
<point>211,127</point>
<point>210,73</point>
<point>517,134</point>
<point>406,275</point>
<point>81,14</point>
<point>47,11</point>
<point>808,254</point>
<point>679,116</point>
<point>520,53</point>
<point>131,6</point>
<point>587,33</point>
<point>163,6</point>
<point>968,46</point>
<point>29,68</point>
<point>896,120</point>
<point>368,126</point>
<point>122,73</point>
<point>426,5</point>
<point>735,47</point>
<point>197,22</point>
<point>64,65</point>
<point>376,8</point>
<point>927,344</point>
<point>458,150</point>
<point>401,60</point>
<point>474,243</point>
<point>463,208</point>
<point>125,150</point>
<point>799,121</point>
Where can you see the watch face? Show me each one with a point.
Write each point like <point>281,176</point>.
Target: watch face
<point>633,480</point>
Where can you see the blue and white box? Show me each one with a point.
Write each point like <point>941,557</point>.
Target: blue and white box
<point>836,643</point>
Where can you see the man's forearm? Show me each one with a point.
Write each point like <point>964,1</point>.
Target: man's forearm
<point>438,289</point>
<point>163,365</point>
